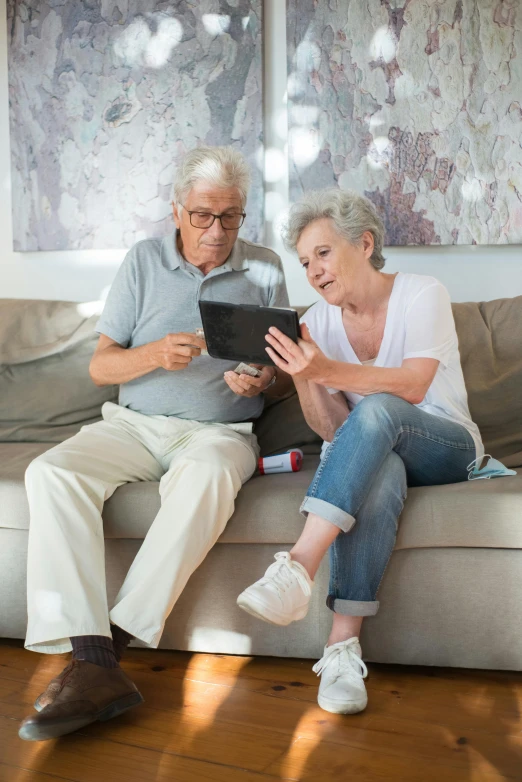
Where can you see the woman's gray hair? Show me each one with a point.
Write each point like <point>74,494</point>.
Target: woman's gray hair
<point>218,166</point>
<point>352,214</point>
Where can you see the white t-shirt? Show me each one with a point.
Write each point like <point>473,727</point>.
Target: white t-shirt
<point>419,324</point>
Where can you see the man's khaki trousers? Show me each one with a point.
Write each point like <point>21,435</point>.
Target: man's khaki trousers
<point>200,467</point>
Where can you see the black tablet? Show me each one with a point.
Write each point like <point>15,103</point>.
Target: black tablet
<point>236,332</point>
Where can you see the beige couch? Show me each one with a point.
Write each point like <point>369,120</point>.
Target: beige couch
<point>453,590</point>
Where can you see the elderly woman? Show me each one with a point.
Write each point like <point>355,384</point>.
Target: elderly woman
<point>379,378</point>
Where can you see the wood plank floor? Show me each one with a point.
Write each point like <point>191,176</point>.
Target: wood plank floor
<point>216,718</point>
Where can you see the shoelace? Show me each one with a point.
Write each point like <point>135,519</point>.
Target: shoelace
<point>336,653</point>
<point>282,573</point>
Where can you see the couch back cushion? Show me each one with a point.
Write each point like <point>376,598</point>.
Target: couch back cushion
<point>282,426</point>
<point>31,329</point>
<point>51,398</point>
<point>490,342</point>
<point>46,394</point>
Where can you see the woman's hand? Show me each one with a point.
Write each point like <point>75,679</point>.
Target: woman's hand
<point>304,361</point>
<point>245,385</point>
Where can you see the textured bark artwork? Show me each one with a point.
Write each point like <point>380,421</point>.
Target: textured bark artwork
<point>105,95</point>
<point>416,104</point>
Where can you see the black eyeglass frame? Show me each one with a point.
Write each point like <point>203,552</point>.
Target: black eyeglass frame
<point>220,218</point>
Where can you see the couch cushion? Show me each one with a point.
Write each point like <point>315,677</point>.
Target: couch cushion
<point>478,514</point>
<point>282,426</point>
<point>31,329</point>
<point>267,506</point>
<point>14,460</point>
<point>491,353</point>
<point>51,398</point>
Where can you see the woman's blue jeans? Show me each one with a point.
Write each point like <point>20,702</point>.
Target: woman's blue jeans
<point>384,446</point>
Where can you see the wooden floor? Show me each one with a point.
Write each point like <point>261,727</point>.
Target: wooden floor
<point>236,719</point>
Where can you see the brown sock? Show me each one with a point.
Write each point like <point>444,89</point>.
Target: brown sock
<point>120,640</point>
<point>96,649</point>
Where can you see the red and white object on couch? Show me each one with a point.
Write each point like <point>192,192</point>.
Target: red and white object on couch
<point>291,461</point>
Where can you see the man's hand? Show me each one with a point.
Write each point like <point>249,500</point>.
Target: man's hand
<point>304,361</point>
<point>176,351</point>
<point>245,385</point>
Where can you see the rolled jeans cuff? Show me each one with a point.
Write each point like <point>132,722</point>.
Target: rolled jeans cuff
<point>352,607</point>
<point>327,511</point>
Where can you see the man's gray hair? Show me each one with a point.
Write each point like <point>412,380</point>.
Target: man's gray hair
<point>351,214</point>
<point>218,166</point>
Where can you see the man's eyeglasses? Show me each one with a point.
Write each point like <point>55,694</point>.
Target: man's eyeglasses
<point>230,221</point>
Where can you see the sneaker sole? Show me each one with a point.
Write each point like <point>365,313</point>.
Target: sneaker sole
<point>261,612</point>
<point>68,725</point>
<point>340,708</point>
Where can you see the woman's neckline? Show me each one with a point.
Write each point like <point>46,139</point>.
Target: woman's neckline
<point>385,336</point>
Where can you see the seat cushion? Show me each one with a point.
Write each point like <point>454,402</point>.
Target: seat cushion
<point>14,460</point>
<point>480,514</point>
<point>267,508</point>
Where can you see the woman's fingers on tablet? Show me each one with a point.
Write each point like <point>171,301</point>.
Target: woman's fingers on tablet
<point>279,346</point>
<point>278,361</point>
<point>285,341</point>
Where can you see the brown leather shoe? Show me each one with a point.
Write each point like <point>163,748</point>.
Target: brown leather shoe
<point>53,688</point>
<point>88,693</point>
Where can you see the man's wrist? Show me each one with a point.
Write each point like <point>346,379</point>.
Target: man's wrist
<point>151,356</point>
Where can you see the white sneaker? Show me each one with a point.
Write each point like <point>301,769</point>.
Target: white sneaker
<point>282,595</point>
<point>342,672</point>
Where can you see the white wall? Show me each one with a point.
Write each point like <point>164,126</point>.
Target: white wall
<point>470,273</point>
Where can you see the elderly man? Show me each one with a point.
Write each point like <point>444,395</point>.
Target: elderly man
<point>183,419</point>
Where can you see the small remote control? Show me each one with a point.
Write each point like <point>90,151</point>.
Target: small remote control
<point>246,369</point>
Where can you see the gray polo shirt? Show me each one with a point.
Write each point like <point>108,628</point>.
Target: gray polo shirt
<point>156,292</point>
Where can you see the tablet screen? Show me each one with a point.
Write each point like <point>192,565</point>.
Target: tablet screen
<point>237,331</point>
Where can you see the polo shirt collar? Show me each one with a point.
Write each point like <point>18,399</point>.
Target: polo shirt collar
<point>237,259</point>
<point>171,258</point>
